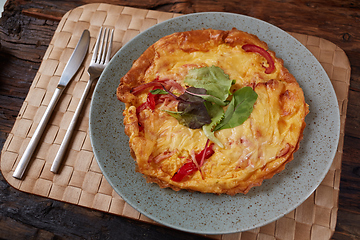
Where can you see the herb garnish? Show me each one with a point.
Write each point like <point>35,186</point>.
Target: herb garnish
<point>239,109</point>
<point>191,110</point>
<point>201,105</point>
<point>213,79</point>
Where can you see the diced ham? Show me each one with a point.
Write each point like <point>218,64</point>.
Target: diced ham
<point>161,157</point>
<point>284,151</point>
<point>174,86</point>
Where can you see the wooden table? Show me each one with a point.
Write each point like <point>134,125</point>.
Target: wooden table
<point>26,29</point>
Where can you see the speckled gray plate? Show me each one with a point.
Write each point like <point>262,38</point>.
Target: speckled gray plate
<point>209,213</point>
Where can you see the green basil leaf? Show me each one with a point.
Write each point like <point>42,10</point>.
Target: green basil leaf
<point>213,79</point>
<point>239,109</point>
<point>216,113</point>
<point>209,98</point>
<point>159,91</point>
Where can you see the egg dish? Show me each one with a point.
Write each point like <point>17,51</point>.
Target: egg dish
<point>211,111</point>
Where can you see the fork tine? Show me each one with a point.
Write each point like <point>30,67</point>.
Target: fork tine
<point>96,49</point>
<point>102,50</point>
<point>108,55</point>
<point>102,40</point>
<point>104,45</point>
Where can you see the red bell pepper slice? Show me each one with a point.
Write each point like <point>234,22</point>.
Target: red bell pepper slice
<point>190,167</point>
<point>150,103</point>
<point>186,169</point>
<point>262,52</point>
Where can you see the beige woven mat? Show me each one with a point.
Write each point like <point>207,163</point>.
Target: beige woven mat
<point>81,182</point>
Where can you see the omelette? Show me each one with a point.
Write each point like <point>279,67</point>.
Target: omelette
<point>211,111</point>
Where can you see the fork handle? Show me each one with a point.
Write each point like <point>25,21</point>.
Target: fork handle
<point>62,150</point>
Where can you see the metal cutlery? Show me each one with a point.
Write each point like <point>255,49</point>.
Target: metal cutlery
<point>70,69</point>
<point>100,59</point>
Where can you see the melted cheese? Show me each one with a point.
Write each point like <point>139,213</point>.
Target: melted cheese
<point>250,146</point>
<point>254,150</point>
<point>244,67</point>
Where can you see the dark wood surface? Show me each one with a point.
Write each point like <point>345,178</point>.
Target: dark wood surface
<point>26,28</point>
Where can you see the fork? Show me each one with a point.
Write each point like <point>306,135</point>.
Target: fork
<point>99,60</point>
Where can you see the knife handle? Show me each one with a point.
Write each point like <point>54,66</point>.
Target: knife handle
<point>62,150</point>
<point>26,157</point>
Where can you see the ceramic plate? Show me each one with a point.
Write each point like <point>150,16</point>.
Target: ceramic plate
<point>209,213</point>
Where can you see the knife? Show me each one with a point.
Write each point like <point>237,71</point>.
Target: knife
<point>70,69</point>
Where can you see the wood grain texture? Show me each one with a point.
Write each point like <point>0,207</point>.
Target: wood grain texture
<point>26,29</point>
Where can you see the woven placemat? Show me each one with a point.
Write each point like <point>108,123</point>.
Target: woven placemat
<point>81,182</point>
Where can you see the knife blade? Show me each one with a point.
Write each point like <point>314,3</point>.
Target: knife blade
<point>72,66</point>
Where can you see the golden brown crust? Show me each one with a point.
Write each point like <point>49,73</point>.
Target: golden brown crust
<point>287,111</point>
<point>134,76</point>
